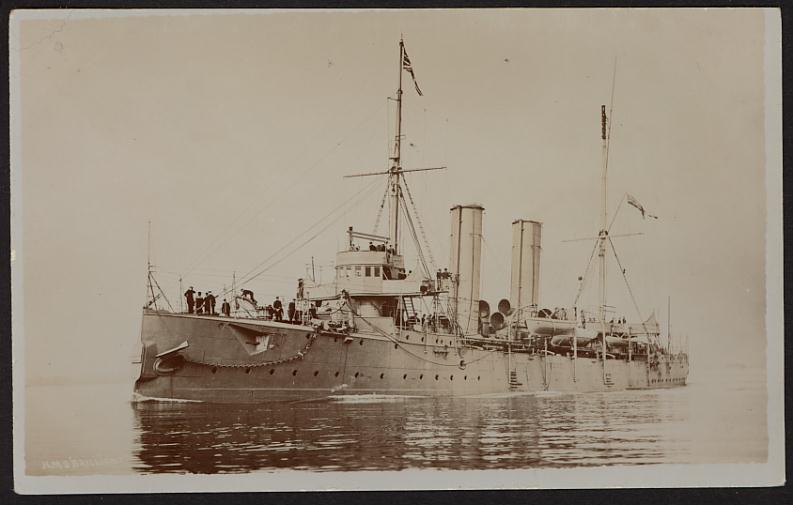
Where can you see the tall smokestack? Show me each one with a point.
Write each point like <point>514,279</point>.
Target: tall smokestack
<point>465,266</point>
<point>525,281</point>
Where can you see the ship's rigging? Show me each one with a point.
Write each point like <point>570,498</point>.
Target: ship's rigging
<point>398,206</point>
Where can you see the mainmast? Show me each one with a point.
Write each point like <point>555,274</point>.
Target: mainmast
<point>603,234</point>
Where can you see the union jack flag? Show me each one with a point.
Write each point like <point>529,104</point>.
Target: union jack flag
<point>407,66</point>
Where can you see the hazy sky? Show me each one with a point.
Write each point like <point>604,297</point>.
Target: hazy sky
<point>231,133</point>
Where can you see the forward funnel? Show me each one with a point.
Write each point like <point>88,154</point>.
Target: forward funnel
<point>465,266</point>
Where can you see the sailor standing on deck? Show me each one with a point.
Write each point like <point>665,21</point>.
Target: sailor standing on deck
<point>291,311</point>
<point>279,309</point>
<point>209,303</point>
<point>199,304</point>
<point>190,296</point>
<point>226,308</point>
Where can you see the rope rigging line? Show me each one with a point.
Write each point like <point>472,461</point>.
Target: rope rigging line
<point>616,212</point>
<point>421,225</point>
<point>348,202</point>
<point>585,277</point>
<point>154,280</point>
<point>281,192</point>
<point>380,209</point>
<point>415,237</point>
<point>630,291</point>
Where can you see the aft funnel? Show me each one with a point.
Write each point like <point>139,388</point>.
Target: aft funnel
<point>525,282</point>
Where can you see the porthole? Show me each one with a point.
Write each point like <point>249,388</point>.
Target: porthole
<point>451,377</point>
<point>361,342</point>
<point>214,369</point>
<point>272,371</point>
<point>382,375</point>
<point>356,374</point>
<point>316,372</point>
<point>422,339</point>
<point>396,346</point>
<point>465,377</point>
<point>247,370</point>
<point>308,335</point>
<point>421,377</point>
<point>294,372</point>
<point>436,377</point>
<point>478,377</point>
<point>336,374</point>
<point>404,376</point>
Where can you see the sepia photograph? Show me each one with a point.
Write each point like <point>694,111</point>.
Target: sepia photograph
<point>280,250</point>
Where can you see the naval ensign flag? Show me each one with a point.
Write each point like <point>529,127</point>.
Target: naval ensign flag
<point>635,203</point>
<point>407,66</point>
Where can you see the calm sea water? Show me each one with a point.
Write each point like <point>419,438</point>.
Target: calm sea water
<point>96,429</point>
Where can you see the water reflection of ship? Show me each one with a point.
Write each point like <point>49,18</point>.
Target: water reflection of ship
<point>453,433</point>
<point>381,328</point>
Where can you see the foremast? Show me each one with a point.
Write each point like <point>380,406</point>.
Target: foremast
<point>395,188</point>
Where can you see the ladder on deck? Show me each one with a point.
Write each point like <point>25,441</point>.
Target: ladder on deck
<point>514,383</point>
<point>407,303</point>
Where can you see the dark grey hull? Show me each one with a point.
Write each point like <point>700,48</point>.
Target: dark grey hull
<point>250,361</point>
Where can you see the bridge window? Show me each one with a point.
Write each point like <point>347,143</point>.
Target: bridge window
<point>368,272</point>
<point>377,272</point>
<point>358,271</point>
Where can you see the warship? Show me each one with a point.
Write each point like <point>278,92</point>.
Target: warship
<point>380,329</point>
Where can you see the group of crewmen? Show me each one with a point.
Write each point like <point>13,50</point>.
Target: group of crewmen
<point>205,304</point>
<point>382,247</point>
<point>200,304</point>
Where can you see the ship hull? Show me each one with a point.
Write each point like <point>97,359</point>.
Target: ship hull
<point>226,360</point>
